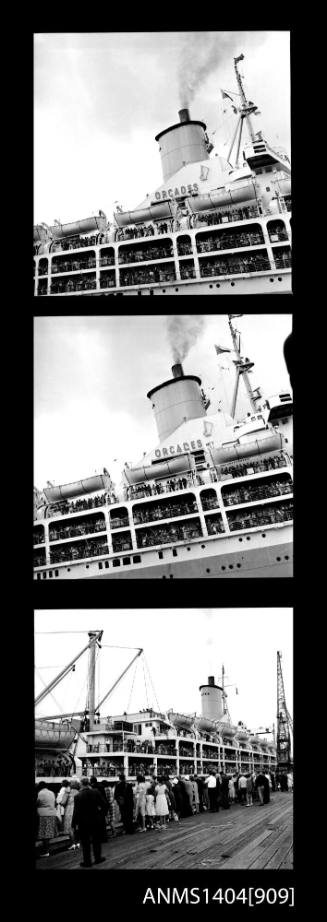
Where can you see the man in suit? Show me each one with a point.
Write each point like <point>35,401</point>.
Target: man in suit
<point>87,818</point>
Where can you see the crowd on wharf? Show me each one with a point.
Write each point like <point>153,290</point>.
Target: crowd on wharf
<point>90,811</point>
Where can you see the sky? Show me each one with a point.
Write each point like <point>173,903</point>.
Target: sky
<point>101,98</point>
<point>182,647</point>
<point>92,374</point>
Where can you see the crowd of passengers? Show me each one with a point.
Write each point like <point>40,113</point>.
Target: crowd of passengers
<point>253,467</point>
<point>253,491</point>
<point>77,528</point>
<point>225,241</point>
<point>80,505</point>
<point>53,768</point>
<point>282,260</point>
<point>216,217</point>
<point>71,265</point>
<point>149,252</point>
<point>168,486</point>
<point>61,286</point>
<point>163,511</point>
<point>121,543</point>
<point>169,534</point>
<point>76,551</point>
<point>74,243</point>
<point>253,262</point>
<point>187,271</point>
<point>147,276</point>
<point>261,516</point>
<point>107,281</point>
<point>215,526</point>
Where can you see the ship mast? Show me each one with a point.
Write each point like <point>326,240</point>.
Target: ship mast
<point>242,366</point>
<point>247,107</point>
<point>284,723</point>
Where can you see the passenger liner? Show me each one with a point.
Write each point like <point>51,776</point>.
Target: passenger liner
<point>214,498</point>
<point>211,227</point>
<point>147,741</point>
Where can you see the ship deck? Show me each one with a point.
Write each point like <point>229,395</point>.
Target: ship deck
<point>239,838</point>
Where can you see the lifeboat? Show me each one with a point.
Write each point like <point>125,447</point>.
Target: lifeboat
<point>238,450</point>
<point>227,731</point>
<point>180,464</point>
<point>52,735</point>
<point>142,215</point>
<point>242,735</point>
<point>184,721</point>
<point>231,194</point>
<point>203,723</point>
<point>96,223</point>
<point>77,488</point>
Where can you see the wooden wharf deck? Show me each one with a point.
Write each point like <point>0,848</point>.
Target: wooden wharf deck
<point>257,837</point>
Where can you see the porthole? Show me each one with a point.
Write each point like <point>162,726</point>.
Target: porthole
<point>106,563</point>
<point>176,289</point>
<point>68,569</point>
<point>223,568</point>
<point>164,577</point>
<point>87,566</point>
<point>232,284</point>
<point>286,557</point>
<point>171,576</point>
<point>56,572</point>
<point>279,559</point>
<point>208,571</point>
<point>188,548</point>
<point>264,535</point>
<point>239,565</point>
<point>217,284</point>
<point>160,554</point>
<point>248,538</point>
<point>240,539</point>
<point>174,552</point>
<point>203,546</point>
<point>280,278</point>
<point>210,286</point>
<point>271,280</point>
<point>100,565</point>
<point>163,291</point>
<point>231,566</point>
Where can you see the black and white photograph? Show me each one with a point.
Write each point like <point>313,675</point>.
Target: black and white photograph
<point>162,163</point>
<point>163,447</point>
<point>156,731</point>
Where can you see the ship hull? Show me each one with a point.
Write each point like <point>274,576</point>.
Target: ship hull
<point>262,283</point>
<point>252,554</point>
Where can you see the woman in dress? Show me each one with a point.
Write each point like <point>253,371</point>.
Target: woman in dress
<point>46,808</point>
<point>162,803</point>
<point>150,808</point>
<point>61,802</point>
<point>140,793</point>
<point>68,815</point>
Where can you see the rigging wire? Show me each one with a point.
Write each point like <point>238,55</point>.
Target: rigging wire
<point>153,688</point>
<point>145,683</point>
<point>134,674</point>
<point>45,685</point>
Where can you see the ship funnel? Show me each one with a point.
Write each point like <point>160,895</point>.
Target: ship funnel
<point>212,704</point>
<point>177,370</point>
<point>184,115</point>
<point>211,680</point>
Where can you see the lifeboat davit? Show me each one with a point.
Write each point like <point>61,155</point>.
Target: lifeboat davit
<point>242,735</point>
<point>95,223</point>
<point>52,735</point>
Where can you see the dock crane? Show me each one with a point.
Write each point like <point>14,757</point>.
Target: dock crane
<point>284,723</point>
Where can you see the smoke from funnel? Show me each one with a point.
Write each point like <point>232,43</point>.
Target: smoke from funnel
<point>183,332</point>
<point>202,53</point>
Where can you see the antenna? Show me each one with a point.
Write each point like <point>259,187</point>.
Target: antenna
<point>242,367</point>
<point>246,109</point>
